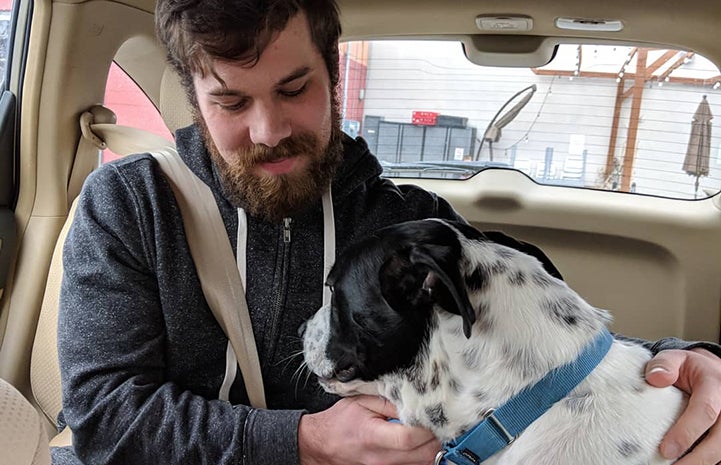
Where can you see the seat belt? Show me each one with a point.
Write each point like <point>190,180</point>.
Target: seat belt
<point>87,155</point>
<point>207,239</point>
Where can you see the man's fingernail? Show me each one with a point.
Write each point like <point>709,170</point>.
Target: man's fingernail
<point>657,370</point>
<point>671,451</point>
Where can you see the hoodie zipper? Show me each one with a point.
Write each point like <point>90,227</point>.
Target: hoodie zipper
<point>282,290</point>
<point>286,230</point>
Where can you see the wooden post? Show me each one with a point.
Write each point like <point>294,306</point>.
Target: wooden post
<point>614,126</point>
<point>638,86</point>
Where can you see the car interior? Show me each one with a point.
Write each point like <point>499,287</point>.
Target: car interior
<point>593,174</point>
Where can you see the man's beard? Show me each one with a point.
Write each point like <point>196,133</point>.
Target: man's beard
<point>274,197</point>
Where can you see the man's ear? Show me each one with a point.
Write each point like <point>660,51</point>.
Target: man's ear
<point>443,282</point>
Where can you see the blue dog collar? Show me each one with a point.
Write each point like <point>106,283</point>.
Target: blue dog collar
<point>501,426</point>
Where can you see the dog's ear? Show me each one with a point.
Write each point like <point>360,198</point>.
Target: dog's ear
<point>418,277</point>
<point>443,281</point>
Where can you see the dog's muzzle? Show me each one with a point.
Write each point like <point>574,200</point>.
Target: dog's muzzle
<point>315,342</point>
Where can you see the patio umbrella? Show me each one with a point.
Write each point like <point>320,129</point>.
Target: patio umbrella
<point>493,131</point>
<point>698,153</point>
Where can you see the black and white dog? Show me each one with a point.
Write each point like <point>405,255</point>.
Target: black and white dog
<point>453,327</point>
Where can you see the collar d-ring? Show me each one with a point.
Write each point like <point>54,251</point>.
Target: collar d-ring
<point>439,457</point>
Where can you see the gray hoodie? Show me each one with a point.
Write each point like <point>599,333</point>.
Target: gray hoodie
<point>142,358</point>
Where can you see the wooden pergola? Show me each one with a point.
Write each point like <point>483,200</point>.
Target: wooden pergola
<point>643,74</point>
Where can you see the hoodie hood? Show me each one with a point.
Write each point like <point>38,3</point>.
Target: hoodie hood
<point>358,165</point>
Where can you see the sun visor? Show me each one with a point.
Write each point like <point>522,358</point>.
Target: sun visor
<point>509,50</point>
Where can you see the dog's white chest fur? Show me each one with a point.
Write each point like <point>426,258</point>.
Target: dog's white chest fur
<point>527,323</point>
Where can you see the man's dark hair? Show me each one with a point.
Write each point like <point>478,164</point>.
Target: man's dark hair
<point>194,32</point>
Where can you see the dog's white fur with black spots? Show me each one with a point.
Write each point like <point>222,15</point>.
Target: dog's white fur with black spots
<point>395,329</point>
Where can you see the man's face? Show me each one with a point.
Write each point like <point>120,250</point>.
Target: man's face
<point>273,129</point>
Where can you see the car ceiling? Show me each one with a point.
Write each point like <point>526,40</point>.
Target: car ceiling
<point>692,24</point>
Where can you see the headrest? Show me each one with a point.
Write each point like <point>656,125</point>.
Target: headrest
<point>174,106</point>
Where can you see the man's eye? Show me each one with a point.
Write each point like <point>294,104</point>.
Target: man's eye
<point>234,106</point>
<point>294,92</point>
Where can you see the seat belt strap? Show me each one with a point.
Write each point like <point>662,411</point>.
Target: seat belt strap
<point>87,155</point>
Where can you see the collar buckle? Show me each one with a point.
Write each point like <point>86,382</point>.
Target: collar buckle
<point>489,415</point>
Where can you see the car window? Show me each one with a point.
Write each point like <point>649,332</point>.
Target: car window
<point>618,118</point>
<point>5,30</point>
<point>8,163</point>
<point>131,107</point>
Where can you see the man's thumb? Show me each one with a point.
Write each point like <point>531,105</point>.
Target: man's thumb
<point>663,369</point>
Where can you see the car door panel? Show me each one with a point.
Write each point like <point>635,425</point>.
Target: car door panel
<point>653,262</point>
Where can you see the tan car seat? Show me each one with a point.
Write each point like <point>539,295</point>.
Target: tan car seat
<point>22,435</point>
<point>44,367</point>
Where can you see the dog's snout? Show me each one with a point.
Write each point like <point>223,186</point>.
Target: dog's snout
<point>302,328</point>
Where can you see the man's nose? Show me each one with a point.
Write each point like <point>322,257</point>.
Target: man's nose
<point>269,125</point>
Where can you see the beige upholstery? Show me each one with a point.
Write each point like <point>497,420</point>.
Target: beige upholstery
<point>44,368</point>
<point>22,436</point>
<point>173,103</point>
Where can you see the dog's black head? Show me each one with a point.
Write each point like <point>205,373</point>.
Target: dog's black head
<point>384,290</point>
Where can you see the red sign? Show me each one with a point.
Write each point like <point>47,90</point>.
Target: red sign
<point>424,118</point>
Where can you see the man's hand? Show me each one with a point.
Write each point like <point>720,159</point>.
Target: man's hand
<point>355,431</point>
<point>697,372</point>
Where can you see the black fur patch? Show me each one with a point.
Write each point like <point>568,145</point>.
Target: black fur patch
<point>479,279</point>
<point>518,278</point>
<point>395,393</point>
<point>454,385</point>
<point>435,376</point>
<point>481,396</point>
<point>482,275</point>
<point>420,385</point>
<point>436,415</point>
<point>628,449</point>
<point>497,268</point>
<point>564,309</point>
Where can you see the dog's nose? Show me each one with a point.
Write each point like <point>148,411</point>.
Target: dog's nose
<point>346,374</point>
<point>302,328</point>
